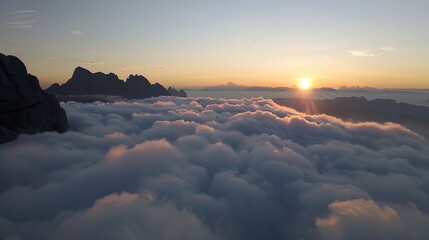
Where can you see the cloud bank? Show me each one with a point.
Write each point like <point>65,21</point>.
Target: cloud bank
<point>76,32</point>
<point>21,19</point>
<point>389,49</point>
<point>174,168</point>
<point>361,53</point>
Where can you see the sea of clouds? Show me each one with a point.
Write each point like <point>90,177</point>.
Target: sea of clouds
<point>176,168</point>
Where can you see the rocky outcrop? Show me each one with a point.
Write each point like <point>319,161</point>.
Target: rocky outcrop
<point>24,106</point>
<point>176,93</point>
<point>83,82</point>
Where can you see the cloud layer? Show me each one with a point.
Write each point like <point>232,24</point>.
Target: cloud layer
<point>21,19</point>
<point>361,53</point>
<point>173,168</point>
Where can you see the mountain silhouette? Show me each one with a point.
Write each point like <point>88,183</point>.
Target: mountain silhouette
<point>24,106</point>
<point>176,93</point>
<point>83,82</point>
<point>359,109</point>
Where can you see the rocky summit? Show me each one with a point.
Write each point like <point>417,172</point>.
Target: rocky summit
<point>83,82</point>
<point>24,106</point>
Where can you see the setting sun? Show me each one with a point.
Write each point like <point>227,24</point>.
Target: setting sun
<point>304,83</point>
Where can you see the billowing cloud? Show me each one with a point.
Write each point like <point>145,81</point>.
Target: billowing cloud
<point>133,216</point>
<point>361,53</point>
<point>176,168</point>
<point>365,219</point>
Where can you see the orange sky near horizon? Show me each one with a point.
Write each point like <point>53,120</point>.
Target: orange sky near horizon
<point>327,75</point>
<point>206,43</point>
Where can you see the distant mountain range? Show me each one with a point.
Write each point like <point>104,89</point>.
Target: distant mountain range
<point>83,82</point>
<point>274,89</point>
<point>230,86</point>
<point>359,109</point>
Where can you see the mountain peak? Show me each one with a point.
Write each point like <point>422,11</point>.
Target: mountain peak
<point>80,70</point>
<point>137,77</point>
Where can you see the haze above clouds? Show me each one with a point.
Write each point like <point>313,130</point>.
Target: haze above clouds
<point>173,168</point>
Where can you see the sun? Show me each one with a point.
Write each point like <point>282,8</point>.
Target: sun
<point>304,83</point>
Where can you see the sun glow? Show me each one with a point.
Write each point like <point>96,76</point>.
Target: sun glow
<point>304,83</point>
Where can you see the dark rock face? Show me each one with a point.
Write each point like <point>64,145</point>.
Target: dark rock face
<point>139,87</point>
<point>24,106</point>
<point>176,93</point>
<point>83,82</point>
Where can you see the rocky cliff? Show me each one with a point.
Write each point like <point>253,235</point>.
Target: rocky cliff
<point>24,106</point>
<point>83,82</point>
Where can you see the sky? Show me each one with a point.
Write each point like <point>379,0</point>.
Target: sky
<point>377,43</point>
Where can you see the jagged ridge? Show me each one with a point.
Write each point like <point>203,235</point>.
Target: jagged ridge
<point>83,82</point>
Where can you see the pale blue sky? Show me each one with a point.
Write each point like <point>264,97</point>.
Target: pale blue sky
<point>194,43</point>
